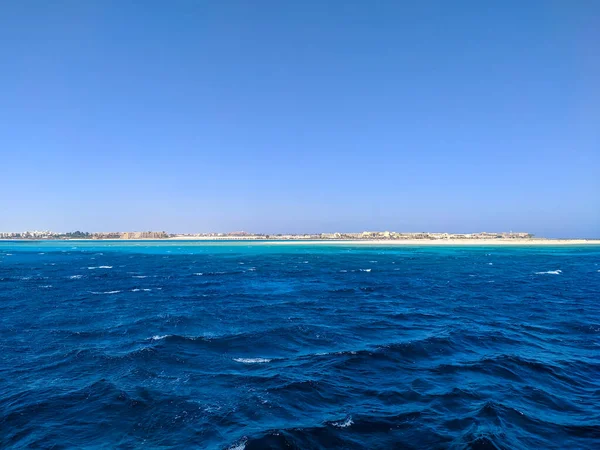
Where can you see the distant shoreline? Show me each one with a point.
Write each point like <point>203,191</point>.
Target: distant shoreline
<point>439,242</point>
<point>361,242</point>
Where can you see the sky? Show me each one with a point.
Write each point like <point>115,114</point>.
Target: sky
<point>313,116</point>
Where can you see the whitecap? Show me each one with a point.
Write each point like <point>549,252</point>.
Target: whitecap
<point>199,273</point>
<point>365,270</point>
<point>140,276</point>
<point>490,264</point>
<point>136,290</point>
<point>253,269</point>
<point>100,267</point>
<point>107,292</point>
<point>550,272</point>
<point>159,338</point>
<point>252,360</point>
<point>239,446</point>
<point>343,271</point>
<point>345,424</point>
<point>75,277</point>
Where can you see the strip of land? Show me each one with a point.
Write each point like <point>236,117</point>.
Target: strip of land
<point>381,238</point>
<point>400,242</point>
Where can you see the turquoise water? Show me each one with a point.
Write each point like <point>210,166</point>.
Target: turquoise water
<point>242,345</point>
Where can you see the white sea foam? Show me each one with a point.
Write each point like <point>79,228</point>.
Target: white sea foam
<point>158,338</point>
<point>253,269</point>
<point>140,276</point>
<point>252,360</point>
<point>238,446</point>
<point>490,264</point>
<point>76,277</point>
<point>343,271</point>
<point>199,273</point>
<point>107,292</point>
<point>100,267</point>
<point>345,424</point>
<point>365,270</point>
<point>550,272</point>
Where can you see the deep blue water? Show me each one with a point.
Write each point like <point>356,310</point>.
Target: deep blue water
<point>195,345</point>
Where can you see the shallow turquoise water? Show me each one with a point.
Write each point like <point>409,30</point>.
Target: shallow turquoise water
<point>219,345</point>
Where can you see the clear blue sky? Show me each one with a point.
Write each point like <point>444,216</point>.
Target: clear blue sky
<point>283,116</point>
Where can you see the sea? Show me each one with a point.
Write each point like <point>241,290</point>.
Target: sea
<point>238,345</point>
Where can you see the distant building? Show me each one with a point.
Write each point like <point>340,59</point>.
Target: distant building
<point>144,235</point>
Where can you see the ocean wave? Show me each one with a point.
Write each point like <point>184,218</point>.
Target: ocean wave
<point>365,270</point>
<point>106,292</point>
<point>159,338</point>
<point>75,277</point>
<point>343,424</point>
<point>382,432</point>
<point>139,276</point>
<point>100,267</point>
<point>239,445</point>
<point>550,272</point>
<point>252,360</point>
